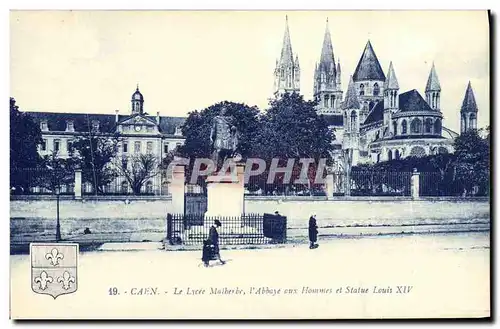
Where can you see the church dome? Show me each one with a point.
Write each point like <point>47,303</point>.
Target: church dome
<point>137,96</point>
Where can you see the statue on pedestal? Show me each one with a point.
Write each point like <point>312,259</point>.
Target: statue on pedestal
<point>223,138</point>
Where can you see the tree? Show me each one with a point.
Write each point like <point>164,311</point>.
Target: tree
<point>55,172</point>
<point>93,154</point>
<point>197,127</point>
<point>138,170</point>
<point>25,137</point>
<point>473,161</point>
<point>291,129</point>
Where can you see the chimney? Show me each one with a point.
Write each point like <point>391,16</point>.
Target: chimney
<point>158,117</point>
<point>116,116</point>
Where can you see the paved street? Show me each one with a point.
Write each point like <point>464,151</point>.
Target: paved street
<point>449,276</point>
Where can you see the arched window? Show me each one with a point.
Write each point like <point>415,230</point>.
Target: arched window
<point>149,187</point>
<point>124,187</point>
<point>353,121</point>
<point>333,101</point>
<point>437,127</point>
<point>417,151</point>
<point>395,127</point>
<point>346,121</point>
<point>389,155</point>
<point>404,128</point>
<point>416,126</point>
<point>462,123</point>
<point>361,89</point>
<point>376,89</point>
<point>397,155</point>
<point>428,125</point>
<point>326,100</point>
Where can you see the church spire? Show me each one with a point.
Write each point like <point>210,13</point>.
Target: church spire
<point>391,82</point>
<point>433,89</point>
<point>468,111</point>
<point>287,72</point>
<point>368,67</point>
<point>351,97</point>
<point>286,50</point>
<point>327,57</point>
<point>433,81</point>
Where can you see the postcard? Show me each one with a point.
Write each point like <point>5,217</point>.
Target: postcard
<point>247,165</point>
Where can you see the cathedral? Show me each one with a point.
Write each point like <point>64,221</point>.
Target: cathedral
<point>374,121</point>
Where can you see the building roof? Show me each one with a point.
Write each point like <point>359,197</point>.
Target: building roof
<point>351,97</point>
<point>433,81</point>
<point>391,82</point>
<point>82,121</point>
<point>334,120</point>
<point>327,59</point>
<point>469,102</point>
<point>368,66</point>
<point>376,114</point>
<point>412,101</point>
<point>137,95</point>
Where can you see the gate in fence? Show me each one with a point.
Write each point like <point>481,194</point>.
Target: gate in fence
<point>193,229</point>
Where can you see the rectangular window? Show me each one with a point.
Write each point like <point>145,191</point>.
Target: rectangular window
<point>149,147</point>
<point>125,147</point>
<point>44,125</point>
<point>70,126</point>
<point>165,148</point>
<point>124,163</point>
<point>57,144</point>
<point>44,145</point>
<point>137,147</point>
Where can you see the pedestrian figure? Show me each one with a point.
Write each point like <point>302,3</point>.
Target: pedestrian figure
<point>313,232</point>
<point>213,241</point>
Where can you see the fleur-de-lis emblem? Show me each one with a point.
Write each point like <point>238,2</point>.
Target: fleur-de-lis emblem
<point>66,279</point>
<point>43,280</point>
<point>54,257</point>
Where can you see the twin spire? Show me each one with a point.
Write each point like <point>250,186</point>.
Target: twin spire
<point>286,52</point>
<point>469,103</point>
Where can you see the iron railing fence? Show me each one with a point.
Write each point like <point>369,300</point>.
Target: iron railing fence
<point>378,183</point>
<point>121,184</point>
<point>193,229</point>
<point>41,181</point>
<point>437,184</point>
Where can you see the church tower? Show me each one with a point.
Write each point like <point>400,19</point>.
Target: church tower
<point>287,71</point>
<point>327,89</point>
<point>351,111</point>
<point>391,99</point>
<point>369,80</point>
<point>468,112</point>
<point>433,90</point>
<point>137,102</point>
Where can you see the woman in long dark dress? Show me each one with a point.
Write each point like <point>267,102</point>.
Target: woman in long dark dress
<point>313,232</point>
<point>213,239</point>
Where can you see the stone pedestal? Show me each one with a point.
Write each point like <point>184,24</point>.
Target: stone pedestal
<point>177,190</point>
<point>415,185</point>
<point>225,193</point>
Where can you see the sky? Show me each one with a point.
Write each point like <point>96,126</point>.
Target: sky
<point>91,61</point>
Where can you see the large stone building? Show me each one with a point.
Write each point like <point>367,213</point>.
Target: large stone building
<point>138,132</point>
<point>375,121</point>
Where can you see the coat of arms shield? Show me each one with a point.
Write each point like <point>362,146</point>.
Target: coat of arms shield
<point>54,268</point>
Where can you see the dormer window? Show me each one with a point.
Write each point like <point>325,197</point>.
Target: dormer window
<point>178,131</point>
<point>44,126</point>
<point>95,125</point>
<point>70,126</point>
